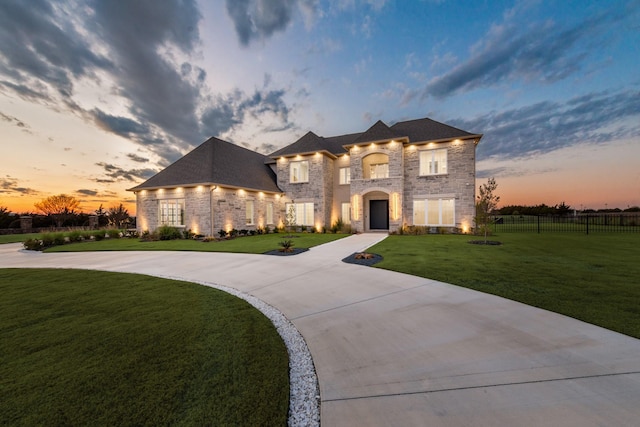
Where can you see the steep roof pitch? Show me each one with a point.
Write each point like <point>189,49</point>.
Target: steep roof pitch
<point>216,162</point>
<point>378,132</point>
<point>312,143</point>
<point>420,130</point>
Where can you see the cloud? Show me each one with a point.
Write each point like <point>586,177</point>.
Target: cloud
<point>10,185</point>
<point>119,174</point>
<point>261,19</point>
<point>86,192</point>
<point>19,123</point>
<point>137,158</point>
<point>545,52</point>
<point>597,117</point>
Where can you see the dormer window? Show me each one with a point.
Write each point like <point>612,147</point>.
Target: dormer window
<point>299,171</point>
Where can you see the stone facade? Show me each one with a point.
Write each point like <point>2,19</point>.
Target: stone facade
<point>208,209</point>
<point>385,183</point>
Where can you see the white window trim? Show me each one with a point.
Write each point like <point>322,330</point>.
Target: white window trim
<point>424,170</point>
<point>250,209</point>
<point>269,213</point>
<point>166,219</point>
<point>297,178</point>
<point>307,215</point>
<point>346,177</point>
<point>427,202</point>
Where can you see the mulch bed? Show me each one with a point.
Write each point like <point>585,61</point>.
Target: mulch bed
<point>294,251</point>
<point>482,242</point>
<point>368,260</point>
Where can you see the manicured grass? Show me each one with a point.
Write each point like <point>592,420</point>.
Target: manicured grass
<point>17,238</point>
<point>250,244</point>
<point>594,278</point>
<point>94,348</point>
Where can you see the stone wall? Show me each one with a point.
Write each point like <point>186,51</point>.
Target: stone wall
<point>229,208</point>
<point>459,182</point>
<point>318,189</point>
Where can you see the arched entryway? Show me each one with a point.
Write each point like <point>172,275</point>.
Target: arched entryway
<point>376,204</point>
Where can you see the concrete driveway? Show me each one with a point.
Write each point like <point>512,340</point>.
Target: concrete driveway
<point>397,350</point>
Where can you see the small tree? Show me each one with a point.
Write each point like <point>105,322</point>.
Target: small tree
<point>118,216</point>
<point>290,219</point>
<point>60,207</point>
<point>486,203</point>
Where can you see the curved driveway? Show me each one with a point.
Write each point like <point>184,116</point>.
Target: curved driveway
<point>397,350</point>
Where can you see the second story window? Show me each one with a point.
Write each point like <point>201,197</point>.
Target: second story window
<point>433,162</point>
<point>380,170</point>
<point>375,166</point>
<point>299,171</point>
<point>345,175</point>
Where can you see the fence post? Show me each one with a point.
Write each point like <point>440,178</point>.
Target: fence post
<point>587,224</point>
<point>538,224</point>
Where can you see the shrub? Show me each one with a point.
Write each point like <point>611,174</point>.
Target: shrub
<point>98,235</point>
<point>337,226</point>
<point>47,240</point>
<point>286,246</point>
<point>76,236</point>
<point>267,230</point>
<point>167,232</point>
<point>222,234</point>
<point>58,239</point>
<point>233,233</point>
<point>114,233</point>
<point>244,232</point>
<point>33,245</point>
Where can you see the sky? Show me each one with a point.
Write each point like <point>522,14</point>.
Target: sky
<point>97,95</point>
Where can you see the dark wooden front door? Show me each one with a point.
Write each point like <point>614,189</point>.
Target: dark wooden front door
<point>379,214</point>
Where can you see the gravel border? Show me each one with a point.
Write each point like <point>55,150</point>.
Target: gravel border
<point>304,390</point>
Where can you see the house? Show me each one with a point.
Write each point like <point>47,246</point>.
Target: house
<point>416,172</point>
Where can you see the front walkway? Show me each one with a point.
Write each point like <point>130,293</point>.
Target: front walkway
<point>397,350</point>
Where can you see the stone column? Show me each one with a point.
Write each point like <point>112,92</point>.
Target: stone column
<point>93,222</point>
<point>26,224</point>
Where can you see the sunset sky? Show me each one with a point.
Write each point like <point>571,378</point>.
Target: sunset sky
<point>96,96</point>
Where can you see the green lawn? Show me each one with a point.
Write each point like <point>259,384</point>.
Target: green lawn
<point>94,348</point>
<point>250,244</point>
<point>17,238</point>
<point>595,278</point>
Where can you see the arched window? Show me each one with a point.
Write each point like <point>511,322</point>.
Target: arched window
<point>375,166</point>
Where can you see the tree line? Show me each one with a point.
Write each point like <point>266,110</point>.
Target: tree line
<point>560,209</point>
<point>64,211</point>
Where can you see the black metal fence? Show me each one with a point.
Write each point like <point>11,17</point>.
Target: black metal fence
<point>582,223</point>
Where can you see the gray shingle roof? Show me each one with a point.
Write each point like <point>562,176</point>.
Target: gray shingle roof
<point>217,162</point>
<point>378,132</point>
<point>420,130</point>
<point>311,143</point>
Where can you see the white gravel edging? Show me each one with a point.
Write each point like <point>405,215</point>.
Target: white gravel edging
<point>304,391</point>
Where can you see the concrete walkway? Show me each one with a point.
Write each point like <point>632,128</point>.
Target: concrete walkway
<point>397,350</point>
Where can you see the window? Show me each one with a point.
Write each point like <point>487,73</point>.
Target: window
<point>379,171</point>
<point>299,171</point>
<point>249,212</point>
<point>375,166</point>
<point>346,213</point>
<point>171,212</point>
<point>345,176</point>
<point>269,213</point>
<point>300,213</point>
<point>433,162</point>
<point>434,212</point>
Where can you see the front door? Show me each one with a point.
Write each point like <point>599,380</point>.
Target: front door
<point>379,214</point>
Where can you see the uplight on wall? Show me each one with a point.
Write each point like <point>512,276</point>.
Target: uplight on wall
<point>395,206</point>
<point>356,207</point>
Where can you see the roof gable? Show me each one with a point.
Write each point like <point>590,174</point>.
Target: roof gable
<point>217,162</point>
<point>378,132</point>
